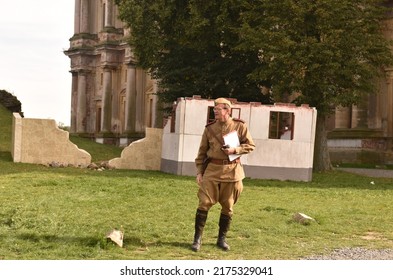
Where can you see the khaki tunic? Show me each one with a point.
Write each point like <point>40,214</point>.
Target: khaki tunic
<point>221,183</point>
<point>211,147</point>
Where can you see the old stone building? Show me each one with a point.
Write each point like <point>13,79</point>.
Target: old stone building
<point>112,100</point>
<point>364,133</point>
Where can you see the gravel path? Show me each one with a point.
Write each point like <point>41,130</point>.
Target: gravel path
<point>355,254</point>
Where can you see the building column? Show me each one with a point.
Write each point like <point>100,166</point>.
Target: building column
<point>115,106</point>
<point>107,101</point>
<point>77,16</point>
<point>109,13</point>
<point>84,17</point>
<point>74,100</point>
<point>81,103</point>
<point>130,99</point>
<point>140,101</point>
<point>153,108</point>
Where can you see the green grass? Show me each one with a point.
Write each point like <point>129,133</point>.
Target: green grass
<point>97,151</point>
<point>65,213</point>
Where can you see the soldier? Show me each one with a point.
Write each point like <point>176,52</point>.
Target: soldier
<point>221,180</point>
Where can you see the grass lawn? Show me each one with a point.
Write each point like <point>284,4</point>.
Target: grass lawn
<point>65,213</point>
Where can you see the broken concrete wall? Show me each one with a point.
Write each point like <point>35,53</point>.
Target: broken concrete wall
<point>40,141</point>
<point>144,154</point>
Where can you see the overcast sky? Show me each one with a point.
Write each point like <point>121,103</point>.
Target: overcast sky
<point>33,36</point>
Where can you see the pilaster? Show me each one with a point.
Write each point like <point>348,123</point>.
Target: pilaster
<point>343,117</point>
<point>130,98</point>
<point>140,100</point>
<point>77,16</point>
<point>109,13</point>
<point>106,101</point>
<point>74,100</point>
<point>81,102</point>
<point>84,17</point>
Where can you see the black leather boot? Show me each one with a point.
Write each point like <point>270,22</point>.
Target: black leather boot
<point>200,221</point>
<point>224,224</point>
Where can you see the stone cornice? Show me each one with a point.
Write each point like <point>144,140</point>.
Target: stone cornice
<point>87,36</point>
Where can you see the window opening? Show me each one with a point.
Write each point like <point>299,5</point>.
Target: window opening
<point>173,117</point>
<point>210,114</point>
<point>281,125</point>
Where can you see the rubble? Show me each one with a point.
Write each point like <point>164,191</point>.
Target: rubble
<point>302,218</point>
<point>116,236</point>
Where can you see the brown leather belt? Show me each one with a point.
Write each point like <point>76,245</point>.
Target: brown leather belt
<point>224,161</point>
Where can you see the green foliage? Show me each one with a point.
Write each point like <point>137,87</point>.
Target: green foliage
<point>329,51</point>
<point>189,46</point>
<point>5,129</point>
<point>10,101</point>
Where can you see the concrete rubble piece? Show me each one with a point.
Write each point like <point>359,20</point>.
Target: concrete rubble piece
<point>302,218</point>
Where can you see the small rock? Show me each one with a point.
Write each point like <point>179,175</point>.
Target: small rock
<point>302,218</point>
<point>116,236</point>
<point>54,164</point>
<point>92,166</point>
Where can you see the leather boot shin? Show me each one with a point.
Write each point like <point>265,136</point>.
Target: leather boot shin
<point>224,224</point>
<point>200,221</point>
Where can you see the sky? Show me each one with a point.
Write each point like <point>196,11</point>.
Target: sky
<point>33,66</point>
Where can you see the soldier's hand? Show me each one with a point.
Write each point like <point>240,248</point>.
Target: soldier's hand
<point>199,179</point>
<point>229,151</point>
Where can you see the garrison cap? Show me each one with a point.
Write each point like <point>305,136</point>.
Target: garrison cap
<point>222,101</point>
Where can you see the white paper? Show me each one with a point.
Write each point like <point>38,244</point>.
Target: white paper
<point>232,140</point>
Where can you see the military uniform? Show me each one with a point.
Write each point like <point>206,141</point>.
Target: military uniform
<point>220,171</point>
<point>222,179</point>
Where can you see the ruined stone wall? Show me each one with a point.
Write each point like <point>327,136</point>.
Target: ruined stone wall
<point>40,141</point>
<point>144,154</point>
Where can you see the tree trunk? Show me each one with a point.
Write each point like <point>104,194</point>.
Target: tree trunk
<point>321,152</point>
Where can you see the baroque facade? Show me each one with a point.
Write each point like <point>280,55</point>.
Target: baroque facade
<point>112,100</point>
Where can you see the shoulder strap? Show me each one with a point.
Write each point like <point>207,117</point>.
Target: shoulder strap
<point>238,120</point>
<point>210,123</point>
<point>211,131</point>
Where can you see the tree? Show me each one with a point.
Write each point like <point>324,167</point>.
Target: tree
<point>328,52</point>
<point>189,47</point>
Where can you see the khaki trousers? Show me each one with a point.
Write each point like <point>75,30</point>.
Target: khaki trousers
<point>226,193</point>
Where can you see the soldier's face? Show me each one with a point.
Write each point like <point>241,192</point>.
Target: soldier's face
<point>221,113</point>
